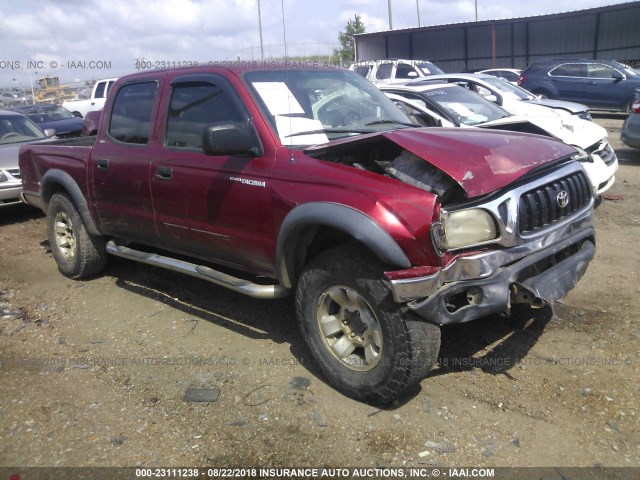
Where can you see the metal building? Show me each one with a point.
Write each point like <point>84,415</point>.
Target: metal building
<point>611,33</point>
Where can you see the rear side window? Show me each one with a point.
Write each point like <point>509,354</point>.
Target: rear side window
<point>100,90</point>
<point>131,114</point>
<point>194,106</point>
<point>570,70</point>
<point>362,70</point>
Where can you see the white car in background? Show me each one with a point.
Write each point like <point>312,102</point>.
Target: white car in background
<point>511,75</point>
<point>449,105</point>
<point>394,70</point>
<point>514,99</point>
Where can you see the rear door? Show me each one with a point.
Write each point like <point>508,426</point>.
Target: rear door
<point>215,207</point>
<point>120,162</point>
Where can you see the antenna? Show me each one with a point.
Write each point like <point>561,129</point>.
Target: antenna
<point>260,26</point>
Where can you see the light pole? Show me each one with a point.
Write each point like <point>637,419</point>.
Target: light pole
<point>390,18</point>
<point>476,10</point>
<point>418,9</point>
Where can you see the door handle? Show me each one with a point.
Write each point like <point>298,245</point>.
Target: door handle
<point>164,173</point>
<point>103,163</point>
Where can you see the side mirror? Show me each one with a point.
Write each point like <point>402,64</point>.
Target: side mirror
<point>49,132</point>
<point>618,75</point>
<point>412,75</point>
<point>77,114</point>
<point>231,138</point>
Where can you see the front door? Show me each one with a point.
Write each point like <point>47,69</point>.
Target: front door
<point>215,207</point>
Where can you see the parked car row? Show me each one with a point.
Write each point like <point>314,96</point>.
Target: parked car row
<point>436,104</point>
<point>486,101</point>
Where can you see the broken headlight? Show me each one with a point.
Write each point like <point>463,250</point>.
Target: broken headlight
<point>466,228</point>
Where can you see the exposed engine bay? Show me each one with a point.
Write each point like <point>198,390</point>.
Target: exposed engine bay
<point>380,155</point>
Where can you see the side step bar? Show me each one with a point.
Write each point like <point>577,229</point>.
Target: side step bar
<point>200,271</point>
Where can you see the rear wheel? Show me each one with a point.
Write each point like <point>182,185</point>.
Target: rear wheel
<point>77,253</point>
<point>368,347</point>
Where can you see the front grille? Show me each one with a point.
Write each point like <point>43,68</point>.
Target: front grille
<point>604,151</point>
<point>542,206</point>
<point>14,172</point>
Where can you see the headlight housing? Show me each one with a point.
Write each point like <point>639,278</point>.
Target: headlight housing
<point>466,228</point>
<point>582,155</point>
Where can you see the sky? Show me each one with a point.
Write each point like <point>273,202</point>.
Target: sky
<point>93,39</point>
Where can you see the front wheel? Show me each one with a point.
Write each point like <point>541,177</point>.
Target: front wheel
<point>368,347</point>
<point>77,253</point>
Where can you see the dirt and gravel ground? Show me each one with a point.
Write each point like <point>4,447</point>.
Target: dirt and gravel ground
<point>94,373</point>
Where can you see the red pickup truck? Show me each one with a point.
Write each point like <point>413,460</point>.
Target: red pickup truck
<point>313,179</point>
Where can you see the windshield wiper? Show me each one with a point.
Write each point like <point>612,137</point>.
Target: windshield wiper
<point>332,130</point>
<point>380,122</point>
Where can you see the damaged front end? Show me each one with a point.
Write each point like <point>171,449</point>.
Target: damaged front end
<point>543,241</point>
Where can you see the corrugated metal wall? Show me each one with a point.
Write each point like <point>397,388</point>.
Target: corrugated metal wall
<point>607,33</point>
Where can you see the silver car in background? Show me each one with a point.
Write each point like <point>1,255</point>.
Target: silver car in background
<point>15,130</point>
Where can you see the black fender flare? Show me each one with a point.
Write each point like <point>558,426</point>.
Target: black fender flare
<point>346,219</point>
<point>54,178</point>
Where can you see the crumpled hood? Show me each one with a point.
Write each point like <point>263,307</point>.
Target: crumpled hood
<point>571,130</point>
<point>479,161</point>
<point>558,123</point>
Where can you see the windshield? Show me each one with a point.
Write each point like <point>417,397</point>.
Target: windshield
<point>464,106</point>
<point>50,115</point>
<point>308,107</point>
<point>509,88</point>
<point>16,129</point>
<point>429,68</point>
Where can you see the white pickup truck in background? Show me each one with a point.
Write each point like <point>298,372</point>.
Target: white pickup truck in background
<point>95,102</point>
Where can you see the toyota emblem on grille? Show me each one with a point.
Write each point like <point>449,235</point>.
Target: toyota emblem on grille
<point>562,199</point>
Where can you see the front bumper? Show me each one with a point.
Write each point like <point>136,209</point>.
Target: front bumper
<point>489,283</point>
<point>10,193</point>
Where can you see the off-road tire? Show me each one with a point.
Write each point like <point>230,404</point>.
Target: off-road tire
<point>77,253</point>
<point>409,346</point>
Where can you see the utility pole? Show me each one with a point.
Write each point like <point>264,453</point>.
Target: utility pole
<point>260,27</point>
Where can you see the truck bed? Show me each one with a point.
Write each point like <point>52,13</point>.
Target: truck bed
<point>68,155</point>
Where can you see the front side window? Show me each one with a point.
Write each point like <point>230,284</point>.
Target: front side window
<point>384,71</point>
<point>194,106</point>
<point>598,70</point>
<point>131,114</point>
<point>405,71</point>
